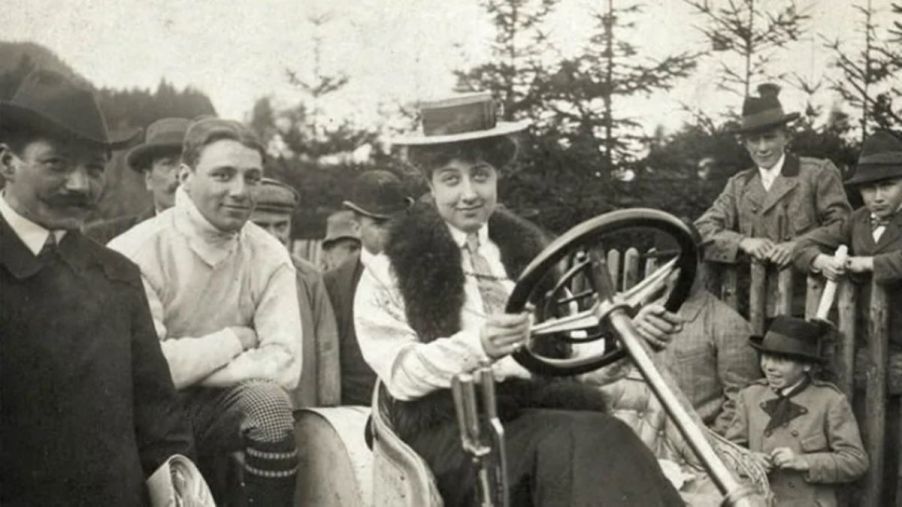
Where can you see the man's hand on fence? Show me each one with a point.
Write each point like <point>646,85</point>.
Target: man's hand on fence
<point>783,457</point>
<point>781,253</point>
<point>656,325</point>
<point>860,264</point>
<point>759,248</point>
<point>829,266</point>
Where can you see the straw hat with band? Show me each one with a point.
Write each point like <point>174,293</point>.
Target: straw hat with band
<point>164,136</point>
<point>763,112</point>
<point>880,159</point>
<point>48,101</point>
<point>792,337</point>
<point>378,194</point>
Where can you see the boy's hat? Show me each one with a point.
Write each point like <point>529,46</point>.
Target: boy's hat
<point>341,225</point>
<point>763,112</point>
<point>276,197</point>
<point>51,102</point>
<point>880,159</point>
<point>378,194</point>
<point>164,135</point>
<point>466,117</point>
<point>793,337</point>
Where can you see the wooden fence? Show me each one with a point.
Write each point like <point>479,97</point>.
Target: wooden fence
<point>867,342</point>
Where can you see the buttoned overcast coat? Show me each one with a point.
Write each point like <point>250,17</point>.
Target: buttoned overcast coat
<point>806,195</point>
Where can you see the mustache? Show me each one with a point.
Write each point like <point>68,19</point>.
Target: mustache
<point>73,201</point>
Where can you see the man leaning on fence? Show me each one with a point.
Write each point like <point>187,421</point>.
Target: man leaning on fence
<point>764,210</point>
<point>224,300</point>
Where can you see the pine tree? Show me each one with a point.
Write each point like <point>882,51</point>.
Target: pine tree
<point>748,34</point>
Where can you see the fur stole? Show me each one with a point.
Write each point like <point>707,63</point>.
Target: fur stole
<point>427,264</point>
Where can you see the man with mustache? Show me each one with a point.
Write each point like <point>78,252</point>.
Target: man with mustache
<point>763,211</point>
<point>88,405</point>
<point>224,300</point>
<point>158,160</point>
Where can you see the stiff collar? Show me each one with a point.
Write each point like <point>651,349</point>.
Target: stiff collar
<point>32,235</point>
<point>774,171</point>
<point>873,217</point>
<point>208,242</point>
<point>365,256</point>
<point>460,237</point>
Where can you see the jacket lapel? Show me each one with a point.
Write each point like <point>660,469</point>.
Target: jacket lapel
<point>754,191</point>
<point>17,258</point>
<point>785,182</point>
<point>890,235</point>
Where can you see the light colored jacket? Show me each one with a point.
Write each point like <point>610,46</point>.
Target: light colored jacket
<point>826,436</point>
<point>807,194</point>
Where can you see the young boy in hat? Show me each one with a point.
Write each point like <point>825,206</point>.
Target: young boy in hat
<point>763,210</point>
<point>342,239</point>
<point>432,306</point>
<point>158,160</point>
<point>276,203</point>
<point>801,429</point>
<point>873,232</point>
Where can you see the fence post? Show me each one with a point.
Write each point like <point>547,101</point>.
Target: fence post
<point>875,394</point>
<point>729,291</point>
<point>846,310</point>
<point>630,268</point>
<point>614,267</point>
<point>815,288</point>
<point>784,291</point>
<point>651,263</point>
<point>757,294</point>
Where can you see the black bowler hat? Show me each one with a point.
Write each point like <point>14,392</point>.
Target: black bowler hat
<point>763,112</point>
<point>51,102</point>
<point>880,159</point>
<point>793,337</point>
<point>378,194</point>
<point>163,136</point>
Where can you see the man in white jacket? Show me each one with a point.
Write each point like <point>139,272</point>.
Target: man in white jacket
<point>224,303</point>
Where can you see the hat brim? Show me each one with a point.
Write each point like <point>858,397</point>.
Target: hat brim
<point>787,118</point>
<point>328,241</point>
<point>15,114</point>
<point>137,156</point>
<point>500,129</point>
<point>755,343</point>
<point>381,216</point>
<point>875,173</point>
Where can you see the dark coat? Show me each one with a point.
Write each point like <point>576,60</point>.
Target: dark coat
<point>427,263</point>
<point>357,378</point>
<point>105,230</point>
<point>856,234</point>
<point>807,194</point>
<point>87,403</point>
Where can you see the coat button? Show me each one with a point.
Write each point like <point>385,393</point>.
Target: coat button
<point>795,433</point>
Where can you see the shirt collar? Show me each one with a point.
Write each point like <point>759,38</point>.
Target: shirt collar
<point>874,217</point>
<point>33,235</point>
<point>365,256</point>
<point>460,237</point>
<point>208,242</point>
<point>776,169</point>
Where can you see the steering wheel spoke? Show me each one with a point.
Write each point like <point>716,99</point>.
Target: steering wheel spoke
<point>572,304</point>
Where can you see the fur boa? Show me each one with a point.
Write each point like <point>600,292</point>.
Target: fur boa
<point>427,261</point>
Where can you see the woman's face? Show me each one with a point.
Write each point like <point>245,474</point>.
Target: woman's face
<point>465,193</point>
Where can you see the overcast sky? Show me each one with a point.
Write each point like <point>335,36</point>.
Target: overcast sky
<point>393,50</point>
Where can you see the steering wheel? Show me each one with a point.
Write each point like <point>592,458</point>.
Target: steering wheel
<point>569,290</point>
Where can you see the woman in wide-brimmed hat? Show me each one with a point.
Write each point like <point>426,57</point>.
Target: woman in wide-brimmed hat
<point>432,306</point>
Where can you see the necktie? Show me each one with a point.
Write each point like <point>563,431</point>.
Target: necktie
<point>878,225</point>
<point>48,251</point>
<point>782,410</point>
<point>494,296</point>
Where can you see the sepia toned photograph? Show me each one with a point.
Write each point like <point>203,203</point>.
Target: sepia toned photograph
<point>423,253</point>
